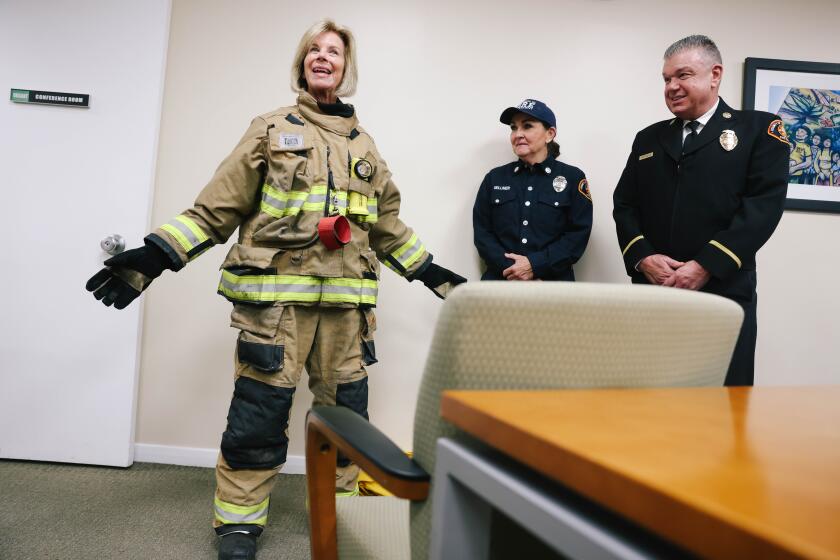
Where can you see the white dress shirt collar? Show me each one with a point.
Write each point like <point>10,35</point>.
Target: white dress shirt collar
<point>702,119</point>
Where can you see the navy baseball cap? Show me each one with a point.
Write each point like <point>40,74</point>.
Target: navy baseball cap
<point>532,107</point>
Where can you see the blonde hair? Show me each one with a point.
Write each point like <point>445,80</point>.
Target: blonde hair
<point>351,74</point>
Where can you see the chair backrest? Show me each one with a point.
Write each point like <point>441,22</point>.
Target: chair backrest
<point>556,335</point>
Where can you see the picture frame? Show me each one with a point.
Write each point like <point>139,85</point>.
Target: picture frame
<point>806,95</point>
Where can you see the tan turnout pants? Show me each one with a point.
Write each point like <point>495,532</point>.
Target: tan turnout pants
<point>275,343</point>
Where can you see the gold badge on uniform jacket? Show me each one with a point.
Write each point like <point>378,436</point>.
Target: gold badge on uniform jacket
<point>363,169</point>
<point>559,183</point>
<point>728,140</point>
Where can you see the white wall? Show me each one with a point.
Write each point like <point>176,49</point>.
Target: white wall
<point>434,78</point>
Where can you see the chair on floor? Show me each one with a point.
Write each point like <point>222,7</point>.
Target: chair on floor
<point>507,335</point>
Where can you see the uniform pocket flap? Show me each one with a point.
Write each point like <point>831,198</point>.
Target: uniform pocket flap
<point>288,140</point>
<point>554,198</point>
<point>264,322</point>
<point>502,194</point>
<point>253,257</point>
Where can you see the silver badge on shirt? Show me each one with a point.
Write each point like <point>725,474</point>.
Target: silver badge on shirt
<point>559,183</point>
<point>728,140</point>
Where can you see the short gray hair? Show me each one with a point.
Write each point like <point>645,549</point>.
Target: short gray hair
<point>700,42</point>
<point>351,73</point>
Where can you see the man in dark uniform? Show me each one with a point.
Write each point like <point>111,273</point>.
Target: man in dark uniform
<point>701,193</point>
<point>532,217</point>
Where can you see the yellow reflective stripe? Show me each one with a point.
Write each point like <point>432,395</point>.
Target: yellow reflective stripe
<point>232,513</point>
<point>284,196</point>
<point>373,211</point>
<point>624,252</point>
<point>347,298</point>
<point>414,258</point>
<point>241,510</point>
<point>268,287</point>
<point>727,251</point>
<point>193,227</point>
<point>300,195</point>
<point>270,296</point>
<point>272,211</point>
<point>302,289</point>
<point>274,279</point>
<point>312,206</point>
<point>187,233</point>
<point>358,285</point>
<point>349,493</point>
<point>281,198</point>
<point>305,199</point>
<point>405,247</point>
<point>179,237</point>
<point>414,245</point>
<point>349,282</point>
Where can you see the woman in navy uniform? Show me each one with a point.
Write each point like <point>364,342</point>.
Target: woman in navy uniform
<point>532,217</point>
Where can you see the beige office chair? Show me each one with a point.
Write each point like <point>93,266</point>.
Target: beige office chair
<point>508,335</point>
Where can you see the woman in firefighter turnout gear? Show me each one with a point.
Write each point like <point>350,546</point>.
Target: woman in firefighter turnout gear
<point>301,179</point>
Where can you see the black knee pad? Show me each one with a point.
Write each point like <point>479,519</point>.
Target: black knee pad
<point>255,437</point>
<point>354,396</point>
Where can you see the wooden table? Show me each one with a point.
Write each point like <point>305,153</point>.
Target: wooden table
<point>724,473</point>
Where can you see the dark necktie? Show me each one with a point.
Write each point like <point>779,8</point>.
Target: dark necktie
<point>692,135</point>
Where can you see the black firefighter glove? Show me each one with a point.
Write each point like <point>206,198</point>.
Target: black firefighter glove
<point>128,274</point>
<point>440,280</point>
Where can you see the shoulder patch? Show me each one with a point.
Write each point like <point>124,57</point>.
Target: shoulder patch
<point>777,131</point>
<point>583,188</point>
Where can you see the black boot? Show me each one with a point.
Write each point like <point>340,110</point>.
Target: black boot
<point>238,546</point>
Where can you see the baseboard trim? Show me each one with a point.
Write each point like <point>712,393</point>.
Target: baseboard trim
<point>199,457</point>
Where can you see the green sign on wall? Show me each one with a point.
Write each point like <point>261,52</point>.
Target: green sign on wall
<point>50,98</point>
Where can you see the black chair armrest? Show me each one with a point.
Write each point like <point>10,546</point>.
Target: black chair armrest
<point>333,428</point>
<point>365,444</point>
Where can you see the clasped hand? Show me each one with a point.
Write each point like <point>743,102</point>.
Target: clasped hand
<point>520,269</point>
<point>665,271</point>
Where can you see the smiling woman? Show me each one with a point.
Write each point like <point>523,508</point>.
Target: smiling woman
<point>532,217</point>
<point>317,212</point>
<point>325,62</point>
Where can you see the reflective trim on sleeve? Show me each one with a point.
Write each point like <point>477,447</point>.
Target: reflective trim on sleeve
<point>727,251</point>
<point>297,289</point>
<point>227,513</point>
<point>627,248</point>
<point>410,252</point>
<point>188,235</point>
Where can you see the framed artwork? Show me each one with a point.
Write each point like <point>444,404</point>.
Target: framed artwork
<point>806,95</point>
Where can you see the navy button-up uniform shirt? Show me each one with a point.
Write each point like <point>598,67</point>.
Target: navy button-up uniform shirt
<point>543,212</point>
